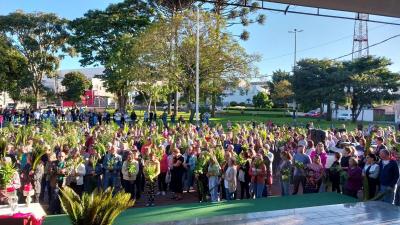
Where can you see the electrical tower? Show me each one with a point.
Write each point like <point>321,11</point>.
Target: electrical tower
<point>360,38</point>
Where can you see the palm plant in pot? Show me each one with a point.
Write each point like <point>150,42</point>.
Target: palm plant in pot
<point>96,208</point>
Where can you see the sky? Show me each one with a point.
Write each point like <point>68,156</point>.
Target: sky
<point>321,37</point>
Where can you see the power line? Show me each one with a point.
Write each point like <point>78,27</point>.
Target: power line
<point>373,45</point>
<point>323,44</point>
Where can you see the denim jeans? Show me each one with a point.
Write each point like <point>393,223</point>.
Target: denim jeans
<point>258,189</point>
<point>213,187</point>
<point>389,196</point>
<point>285,187</point>
<point>397,196</point>
<point>110,180</point>
<point>228,194</point>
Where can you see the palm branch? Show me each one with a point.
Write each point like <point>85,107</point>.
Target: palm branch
<point>97,208</point>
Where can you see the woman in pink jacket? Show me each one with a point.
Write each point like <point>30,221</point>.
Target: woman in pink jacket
<point>320,151</point>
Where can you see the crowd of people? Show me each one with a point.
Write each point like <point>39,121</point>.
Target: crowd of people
<point>150,157</point>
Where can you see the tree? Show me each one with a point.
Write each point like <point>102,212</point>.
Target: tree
<point>282,93</point>
<point>223,62</point>
<point>41,39</point>
<point>277,96</point>
<point>318,82</point>
<point>75,84</point>
<point>372,81</point>
<point>99,35</point>
<point>261,100</point>
<point>14,75</point>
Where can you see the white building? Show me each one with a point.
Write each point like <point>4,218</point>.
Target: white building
<point>244,93</point>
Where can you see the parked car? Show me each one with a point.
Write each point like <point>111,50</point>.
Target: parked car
<point>313,114</point>
<point>344,116</point>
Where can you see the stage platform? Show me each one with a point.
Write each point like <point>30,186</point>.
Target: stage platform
<point>361,213</point>
<point>308,209</point>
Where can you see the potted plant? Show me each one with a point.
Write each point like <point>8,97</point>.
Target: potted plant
<point>96,208</point>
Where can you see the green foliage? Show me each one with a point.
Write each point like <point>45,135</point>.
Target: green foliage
<point>41,39</point>
<point>261,100</point>
<point>372,81</point>
<point>75,84</point>
<point>97,208</point>
<point>7,172</point>
<point>14,75</point>
<point>101,36</point>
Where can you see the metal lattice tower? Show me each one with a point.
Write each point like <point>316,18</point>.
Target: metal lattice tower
<point>360,38</point>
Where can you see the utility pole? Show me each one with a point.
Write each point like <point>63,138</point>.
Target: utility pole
<point>197,64</point>
<point>295,31</point>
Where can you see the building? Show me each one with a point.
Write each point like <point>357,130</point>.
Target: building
<point>245,92</point>
<point>96,97</point>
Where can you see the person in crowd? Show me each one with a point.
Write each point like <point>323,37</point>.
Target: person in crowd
<point>379,145</point>
<point>354,178</point>
<point>334,173</point>
<point>320,151</point>
<point>93,171</point>
<point>213,173</point>
<point>389,176</point>
<point>177,172</point>
<point>164,170</point>
<point>285,171</point>
<point>371,173</point>
<point>112,164</point>
<point>258,171</point>
<point>76,171</point>
<point>230,179</point>
<point>301,160</point>
<point>244,176</point>
<point>315,172</point>
<point>130,169</point>
<point>151,177</point>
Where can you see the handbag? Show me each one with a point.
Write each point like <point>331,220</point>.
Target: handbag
<point>168,177</point>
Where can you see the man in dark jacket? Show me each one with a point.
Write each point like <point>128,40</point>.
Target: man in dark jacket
<point>389,174</point>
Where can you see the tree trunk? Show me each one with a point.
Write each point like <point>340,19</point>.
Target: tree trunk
<point>155,106</point>
<point>36,93</point>
<point>354,113</point>
<point>213,105</point>
<point>329,112</point>
<point>122,100</point>
<point>176,102</point>
<point>149,105</point>
<point>169,103</point>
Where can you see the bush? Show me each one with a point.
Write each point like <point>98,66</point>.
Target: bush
<point>258,109</point>
<point>233,103</point>
<point>242,104</point>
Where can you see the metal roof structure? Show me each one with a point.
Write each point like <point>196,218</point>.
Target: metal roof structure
<point>386,8</point>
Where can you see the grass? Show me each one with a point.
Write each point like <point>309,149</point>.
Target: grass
<point>279,118</point>
<point>201,210</point>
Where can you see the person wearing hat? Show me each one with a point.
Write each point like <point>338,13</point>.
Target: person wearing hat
<point>371,172</point>
<point>299,175</point>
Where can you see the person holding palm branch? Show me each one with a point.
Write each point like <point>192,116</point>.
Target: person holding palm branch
<point>151,171</point>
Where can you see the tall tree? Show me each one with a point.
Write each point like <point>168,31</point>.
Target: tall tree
<point>75,84</point>
<point>97,37</point>
<point>318,82</point>
<point>40,38</point>
<point>282,93</point>
<point>14,75</point>
<point>372,81</point>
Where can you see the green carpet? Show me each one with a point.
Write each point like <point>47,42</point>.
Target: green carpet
<point>190,211</point>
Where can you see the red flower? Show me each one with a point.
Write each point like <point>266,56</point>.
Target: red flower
<point>10,189</point>
<point>27,187</point>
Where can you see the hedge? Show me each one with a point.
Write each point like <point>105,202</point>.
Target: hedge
<point>258,109</point>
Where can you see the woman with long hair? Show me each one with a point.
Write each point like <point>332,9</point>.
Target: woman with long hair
<point>285,171</point>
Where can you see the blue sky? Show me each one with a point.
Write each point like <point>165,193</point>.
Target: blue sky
<point>321,38</point>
